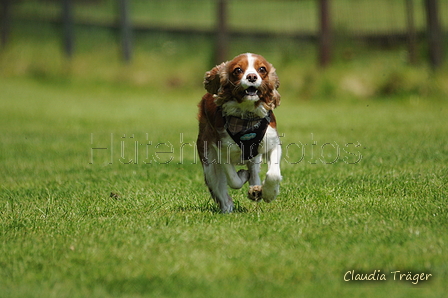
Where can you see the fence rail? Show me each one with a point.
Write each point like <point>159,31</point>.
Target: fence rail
<point>321,21</point>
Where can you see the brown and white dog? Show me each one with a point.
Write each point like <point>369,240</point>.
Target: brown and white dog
<point>237,126</point>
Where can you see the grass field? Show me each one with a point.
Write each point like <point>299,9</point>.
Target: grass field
<point>365,188</point>
<point>365,154</point>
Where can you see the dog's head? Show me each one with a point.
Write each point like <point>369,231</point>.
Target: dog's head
<point>248,77</point>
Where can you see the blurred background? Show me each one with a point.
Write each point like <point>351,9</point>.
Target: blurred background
<point>321,48</point>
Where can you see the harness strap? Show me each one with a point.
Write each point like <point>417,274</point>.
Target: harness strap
<point>247,133</point>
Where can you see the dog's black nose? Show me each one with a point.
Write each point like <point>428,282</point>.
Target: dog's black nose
<point>251,77</point>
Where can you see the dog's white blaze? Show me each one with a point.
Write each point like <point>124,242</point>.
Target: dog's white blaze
<point>251,64</point>
<point>250,69</point>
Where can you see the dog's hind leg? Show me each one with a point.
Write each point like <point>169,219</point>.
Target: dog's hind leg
<point>215,178</point>
<point>216,181</point>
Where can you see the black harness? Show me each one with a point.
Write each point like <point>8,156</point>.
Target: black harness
<point>247,132</point>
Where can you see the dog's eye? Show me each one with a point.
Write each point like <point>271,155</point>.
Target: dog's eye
<point>262,70</point>
<point>237,71</point>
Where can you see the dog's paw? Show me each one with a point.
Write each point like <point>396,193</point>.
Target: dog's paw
<point>270,194</point>
<point>255,193</point>
<point>271,188</point>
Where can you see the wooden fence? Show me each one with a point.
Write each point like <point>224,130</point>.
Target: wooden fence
<point>324,36</point>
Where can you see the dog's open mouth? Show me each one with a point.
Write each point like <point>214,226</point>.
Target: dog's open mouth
<point>251,91</point>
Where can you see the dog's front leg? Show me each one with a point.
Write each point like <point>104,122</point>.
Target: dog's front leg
<point>271,185</point>
<point>235,179</point>
<point>255,189</point>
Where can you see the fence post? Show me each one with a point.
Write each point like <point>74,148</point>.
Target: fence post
<point>222,35</point>
<point>5,25</point>
<point>325,33</point>
<point>434,33</point>
<point>125,30</point>
<point>68,27</point>
<point>411,33</point>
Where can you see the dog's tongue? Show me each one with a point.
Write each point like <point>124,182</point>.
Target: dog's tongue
<point>252,91</point>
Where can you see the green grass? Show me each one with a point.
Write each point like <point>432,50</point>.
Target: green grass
<point>162,60</point>
<point>364,166</point>
<point>62,235</point>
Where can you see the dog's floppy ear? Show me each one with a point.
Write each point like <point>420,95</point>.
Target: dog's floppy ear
<point>273,79</point>
<point>212,79</point>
